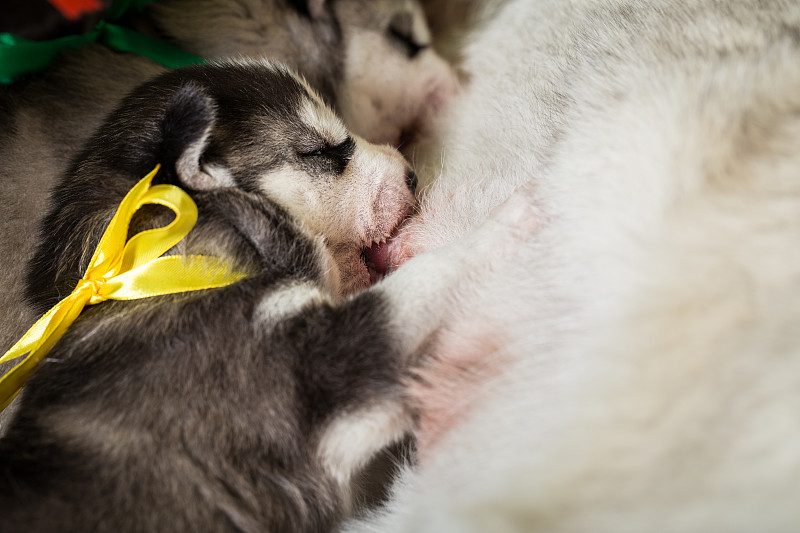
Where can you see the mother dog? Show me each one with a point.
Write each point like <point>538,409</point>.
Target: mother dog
<point>647,344</point>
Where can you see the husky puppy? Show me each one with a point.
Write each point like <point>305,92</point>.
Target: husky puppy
<point>245,408</point>
<point>370,60</point>
<point>644,352</point>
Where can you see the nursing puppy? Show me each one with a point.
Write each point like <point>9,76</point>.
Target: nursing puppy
<point>647,340</point>
<point>370,60</point>
<point>245,408</point>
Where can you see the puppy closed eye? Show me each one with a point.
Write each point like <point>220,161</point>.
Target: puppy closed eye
<point>404,39</point>
<point>337,156</point>
<point>402,35</point>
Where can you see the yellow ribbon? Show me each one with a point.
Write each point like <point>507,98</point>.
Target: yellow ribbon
<point>123,271</point>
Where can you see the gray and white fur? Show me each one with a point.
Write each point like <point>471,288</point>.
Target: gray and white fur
<point>245,408</point>
<point>370,60</point>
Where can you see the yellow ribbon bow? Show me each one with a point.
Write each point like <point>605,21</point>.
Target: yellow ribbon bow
<point>123,271</point>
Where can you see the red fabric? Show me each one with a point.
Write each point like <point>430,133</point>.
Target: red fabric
<point>74,9</point>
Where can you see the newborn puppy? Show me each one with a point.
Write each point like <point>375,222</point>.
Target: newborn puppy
<point>369,60</point>
<point>244,408</point>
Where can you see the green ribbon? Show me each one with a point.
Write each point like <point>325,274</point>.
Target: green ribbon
<point>20,56</point>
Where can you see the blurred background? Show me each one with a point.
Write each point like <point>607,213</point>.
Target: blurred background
<point>48,19</point>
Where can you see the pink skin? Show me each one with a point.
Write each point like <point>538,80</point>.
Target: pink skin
<point>466,360</point>
<point>397,252</point>
<point>402,246</point>
<point>455,381</point>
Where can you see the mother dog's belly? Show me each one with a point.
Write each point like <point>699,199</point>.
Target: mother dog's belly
<point>645,331</point>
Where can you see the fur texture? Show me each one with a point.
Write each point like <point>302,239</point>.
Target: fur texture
<point>46,118</point>
<point>644,348</point>
<point>246,408</point>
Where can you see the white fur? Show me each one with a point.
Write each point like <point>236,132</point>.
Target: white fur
<point>319,117</point>
<point>350,440</point>
<point>362,205</point>
<point>385,94</point>
<point>647,332</point>
<point>287,301</point>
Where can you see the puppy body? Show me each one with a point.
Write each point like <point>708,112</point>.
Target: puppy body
<point>644,349</point>
<point>246,408</point>
<point>47,117</point>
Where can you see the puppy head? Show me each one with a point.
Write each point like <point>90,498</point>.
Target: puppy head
<point>393,82</point>
<point>369,59</point>
<point>259,127</point>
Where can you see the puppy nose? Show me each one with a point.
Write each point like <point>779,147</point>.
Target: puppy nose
<point>411,180</point>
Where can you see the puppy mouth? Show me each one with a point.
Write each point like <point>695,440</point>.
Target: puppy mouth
<point>376,256</point>
<point>375,259</point>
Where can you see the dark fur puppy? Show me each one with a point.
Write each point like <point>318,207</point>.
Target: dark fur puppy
<point>245,408</point>
<point>369,59</point>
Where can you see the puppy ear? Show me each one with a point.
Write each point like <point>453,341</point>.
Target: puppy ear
<point>313,8</point>
<point>185,133</point>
